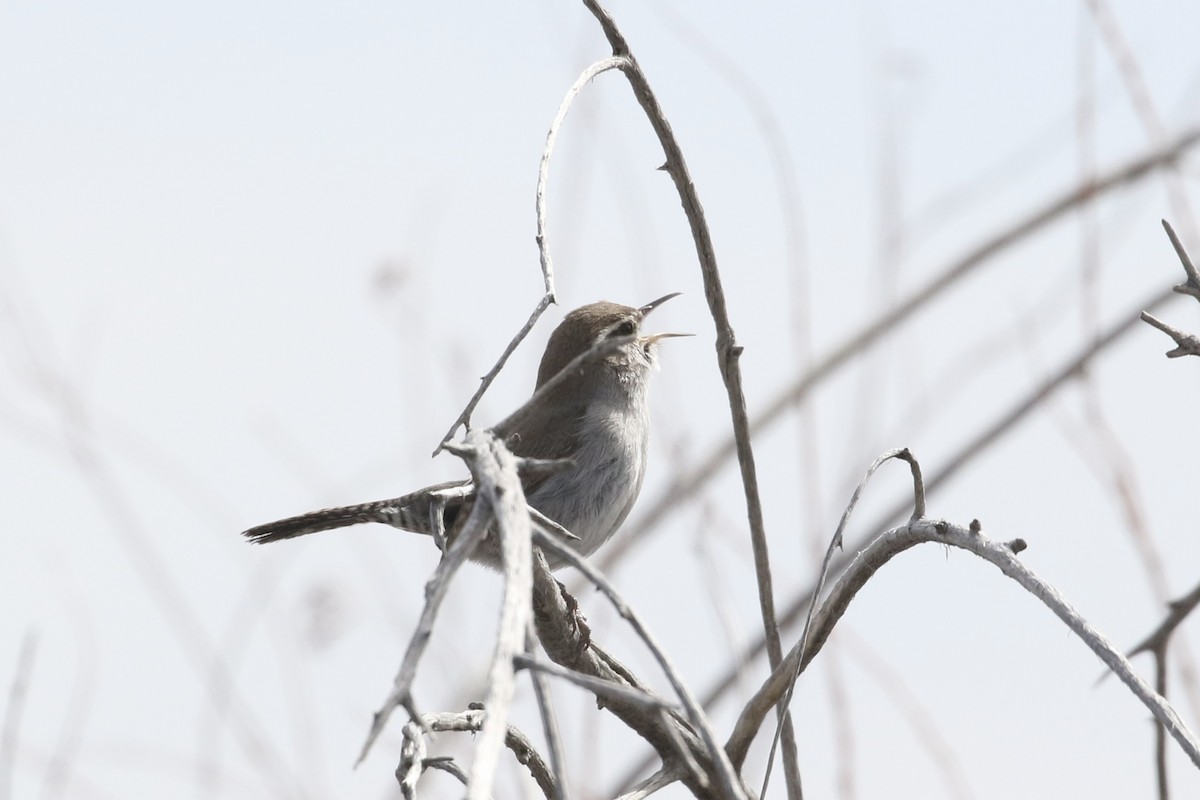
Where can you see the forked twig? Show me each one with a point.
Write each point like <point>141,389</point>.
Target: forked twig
<point>1186,344</point>
<point>413,758</point>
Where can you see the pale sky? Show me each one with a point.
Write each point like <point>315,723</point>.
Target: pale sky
<point>254,257</point>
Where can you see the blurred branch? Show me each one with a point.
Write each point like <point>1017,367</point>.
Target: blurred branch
<point>912,708</point>
<point>17,692</point>
<point>1156,644</point>
<point>688,484</point>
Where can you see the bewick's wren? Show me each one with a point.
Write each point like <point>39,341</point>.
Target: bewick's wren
<point>597,416</point>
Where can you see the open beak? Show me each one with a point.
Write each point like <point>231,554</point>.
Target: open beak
<point>653,304</point>
<point>654,337</point>
<point>651,339</point>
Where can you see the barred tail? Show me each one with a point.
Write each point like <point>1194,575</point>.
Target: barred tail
<point>327,519</point>
<point>411,513</point>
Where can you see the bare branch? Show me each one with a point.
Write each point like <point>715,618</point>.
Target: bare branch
<point>435,592</point>
<point>542,242</point>
<point>486,381</point>
<point>569,646</point>
<point>413,753</point>
<point>1003,556</point>
<point>659,780</point>
<point>728,353</point>
<point>1186,343</point>
<point>695,714</point>
<point>1192,286</point>
<point>494,470</point>
<point>595,685</point>
<point>13,710</point>
<point>543,181</point>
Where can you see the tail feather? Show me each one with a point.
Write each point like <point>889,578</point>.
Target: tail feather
<point>411,512</point>
<point>324,520</point>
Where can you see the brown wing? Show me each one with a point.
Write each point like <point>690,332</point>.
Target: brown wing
<point>549,432</point>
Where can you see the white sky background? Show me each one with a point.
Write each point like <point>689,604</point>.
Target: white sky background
<point>253,258</point>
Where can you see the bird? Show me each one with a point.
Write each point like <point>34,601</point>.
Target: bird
<point>594,415</point>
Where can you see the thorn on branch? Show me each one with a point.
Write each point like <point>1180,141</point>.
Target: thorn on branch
<point>1188,345</point>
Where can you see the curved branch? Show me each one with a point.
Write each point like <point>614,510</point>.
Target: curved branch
<point>1003,556</point>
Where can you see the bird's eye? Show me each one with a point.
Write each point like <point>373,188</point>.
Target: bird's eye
<point>626,328</point>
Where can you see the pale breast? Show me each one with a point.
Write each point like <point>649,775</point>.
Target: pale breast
<point>593,499</point>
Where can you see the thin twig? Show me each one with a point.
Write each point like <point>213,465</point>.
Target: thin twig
<point>413,752</point>
<point>1192,286</point>
<point>435,592</point>
<point>1156,644</point>
<point>592,684</point>
<point>543,180</point>
<point>486,381</point>
<point>545,703</point>
<point>603,347</point>
<point>659,780</point>
<point>446,764</point>
<point>1186,343</point>
<point>543,245</point>
<point>728,353</point>
<point>835,544</point>
<point>568,645</point>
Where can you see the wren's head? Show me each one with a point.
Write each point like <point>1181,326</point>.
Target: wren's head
<point>587,325</point>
